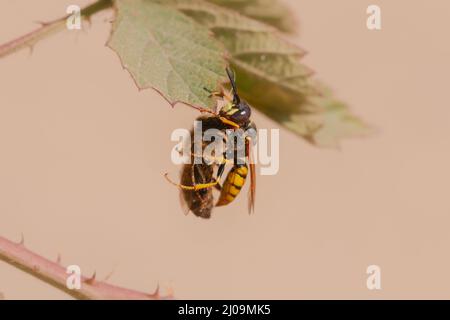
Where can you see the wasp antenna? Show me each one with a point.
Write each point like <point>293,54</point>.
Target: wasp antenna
<point>230,74</point>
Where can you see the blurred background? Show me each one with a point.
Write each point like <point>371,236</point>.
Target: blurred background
<point>82,153</point>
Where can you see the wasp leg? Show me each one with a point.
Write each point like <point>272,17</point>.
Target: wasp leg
<point>195,170</point>
<point>195,187</point>
<point>218,187</point>
<point>214,93</point>
<point>194,181</point>
<point>223,119</point>
<point>229,122</point>
<point>220,171</point>
<point>221,168</point>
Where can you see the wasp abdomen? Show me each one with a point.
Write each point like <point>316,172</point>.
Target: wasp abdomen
<point>233,184</point>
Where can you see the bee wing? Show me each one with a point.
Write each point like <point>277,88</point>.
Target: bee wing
<point>252,190</point>
<point>184,205</point>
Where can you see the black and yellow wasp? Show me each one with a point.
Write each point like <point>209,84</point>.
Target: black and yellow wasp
<point>198,179</point>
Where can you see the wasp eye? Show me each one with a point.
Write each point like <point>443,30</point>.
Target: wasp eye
<point>243,114</point>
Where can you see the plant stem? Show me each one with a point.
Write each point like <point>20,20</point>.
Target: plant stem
<point>48,28</point>
<point>55,275</point>
<point>16,254</point>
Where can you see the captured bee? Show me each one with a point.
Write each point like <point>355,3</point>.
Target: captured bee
<point>199,177</point>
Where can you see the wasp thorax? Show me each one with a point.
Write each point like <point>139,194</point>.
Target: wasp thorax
<point>238,113</point>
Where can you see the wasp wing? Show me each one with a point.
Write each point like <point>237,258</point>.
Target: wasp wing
<point>252,190</point>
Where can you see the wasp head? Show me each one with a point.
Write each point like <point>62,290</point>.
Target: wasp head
<point>238,111</point>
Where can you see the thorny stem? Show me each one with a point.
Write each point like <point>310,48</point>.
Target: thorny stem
<point>48,28</point>
<point>16,254</point>
<point>55,275</point>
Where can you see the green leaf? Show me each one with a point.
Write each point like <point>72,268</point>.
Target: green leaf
<point>167,45</point>
<point>271,12</point>
<point>164,49</point>
<point>328,126</point>
<point>271,76</point>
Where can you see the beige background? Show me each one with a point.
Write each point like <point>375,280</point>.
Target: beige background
<point>82,153</point>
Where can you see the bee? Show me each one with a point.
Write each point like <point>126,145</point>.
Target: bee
<point>199,178</point>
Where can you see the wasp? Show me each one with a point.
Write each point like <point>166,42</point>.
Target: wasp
<point>200,178</point>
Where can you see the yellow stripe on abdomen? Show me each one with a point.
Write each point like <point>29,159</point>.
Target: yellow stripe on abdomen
<point>233,184</point>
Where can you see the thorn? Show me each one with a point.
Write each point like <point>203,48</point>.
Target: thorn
<point>42,23</point>
<point>22,240</point>
<point>155,295</point>
<point>91,280</point>
<point>109,274</point>
<point>58,259</point>
<point>31,49</point>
